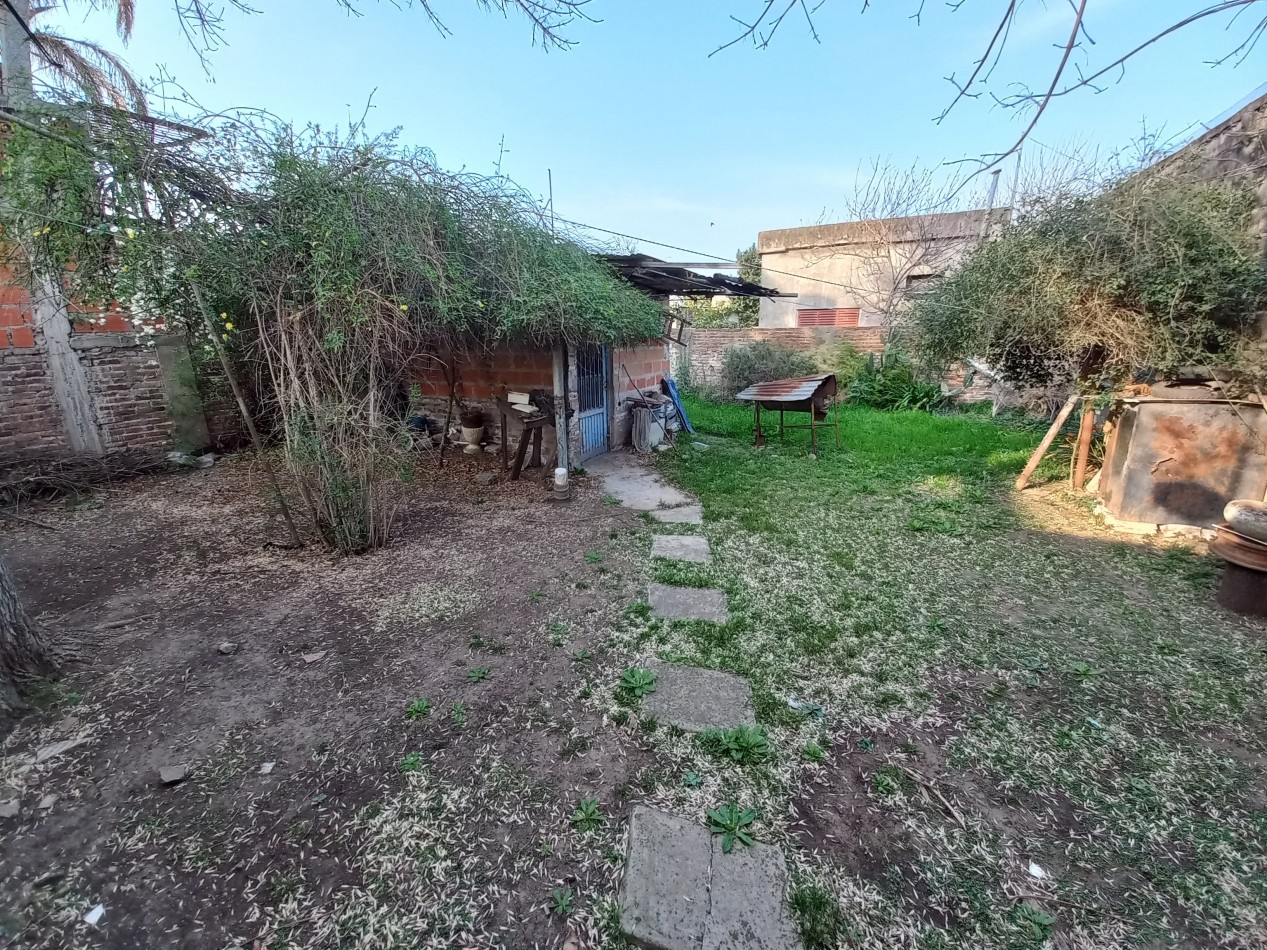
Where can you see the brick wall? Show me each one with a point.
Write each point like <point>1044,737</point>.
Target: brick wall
<point>128,389</point>
<point>706,347</point>
<point>647,364</point>
<point>129,381</point>
<point>29,421</point>
<point>482,375</point>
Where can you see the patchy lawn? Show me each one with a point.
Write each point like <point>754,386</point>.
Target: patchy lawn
<point>985,721</point>
<point>392,756</point>
<point>990,723</point>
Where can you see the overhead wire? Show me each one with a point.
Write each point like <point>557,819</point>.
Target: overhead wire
<point>26,28</point>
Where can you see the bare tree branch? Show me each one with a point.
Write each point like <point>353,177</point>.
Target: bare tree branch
<point>1045,101</point>
<point>1121,60</point>
<point>760,40</point>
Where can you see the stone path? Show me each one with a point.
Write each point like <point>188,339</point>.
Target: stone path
<point>696,699</point>
<point>687,603</point>
<point>686,514</point>
<point>681,892</point>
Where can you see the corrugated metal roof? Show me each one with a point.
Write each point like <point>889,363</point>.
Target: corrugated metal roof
<point>786,390</point>
<point>656,277</point>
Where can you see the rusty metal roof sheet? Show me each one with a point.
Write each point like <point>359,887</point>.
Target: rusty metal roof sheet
<point>788,390</point>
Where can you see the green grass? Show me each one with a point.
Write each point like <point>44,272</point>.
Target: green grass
<point>1020,687</point>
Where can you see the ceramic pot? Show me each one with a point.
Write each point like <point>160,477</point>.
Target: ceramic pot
<point>1248,518</point>
<point>472,437</point>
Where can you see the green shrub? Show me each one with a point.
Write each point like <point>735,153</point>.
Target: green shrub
<point>761,362</point>
<point>844,359</point>
<point>889,381</point>
<point>1155,271</point>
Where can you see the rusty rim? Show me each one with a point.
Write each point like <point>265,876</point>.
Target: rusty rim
<point>1239,549</point>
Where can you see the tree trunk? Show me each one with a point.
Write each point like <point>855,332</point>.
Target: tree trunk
<point>15,47</point>
<point>24,652</point>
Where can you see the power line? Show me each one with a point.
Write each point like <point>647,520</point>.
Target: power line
<point>26,28</point>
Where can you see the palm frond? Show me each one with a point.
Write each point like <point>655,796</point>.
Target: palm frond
<point>124,13</point>
<point>94,71</point>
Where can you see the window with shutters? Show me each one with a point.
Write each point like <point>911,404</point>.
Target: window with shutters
<point>832,317</point>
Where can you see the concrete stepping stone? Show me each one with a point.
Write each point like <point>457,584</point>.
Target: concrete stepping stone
<point>681,547</point>
<point>683,514</point>
<point>697,700</point>
<point>664,896</point>
<point>748,900</point>
<point>687,603</point>
<point>681,892</point>
<point>634,483</point>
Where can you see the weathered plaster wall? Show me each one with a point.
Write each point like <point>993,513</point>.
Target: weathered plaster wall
<point>860,263</point>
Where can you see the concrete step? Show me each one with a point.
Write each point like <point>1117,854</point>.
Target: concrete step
<point>696,699</point>
<point>681,892</point>
<point>683,514</point>
<point>687,603</point>
<point>681,547</point>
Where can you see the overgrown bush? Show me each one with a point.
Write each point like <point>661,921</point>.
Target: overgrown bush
<point>334,264</point>
<point>844,359</point>
<point>890,381</point>
<point>760,362</point>
<point>1154,272</point>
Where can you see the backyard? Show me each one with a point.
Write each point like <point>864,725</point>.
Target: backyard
<point>988,722</point>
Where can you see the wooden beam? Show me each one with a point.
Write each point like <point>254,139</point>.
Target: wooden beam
<point>1086,428</point>
<point>1048,439</point>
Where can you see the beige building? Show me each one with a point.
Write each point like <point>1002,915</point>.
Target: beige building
<point>862,273</point>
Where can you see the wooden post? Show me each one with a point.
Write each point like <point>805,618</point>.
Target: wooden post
<point>780,425</point>
<point>813,429</point>
<point>1048,439</point>
<point>535,461</point>
<point>1086,428</point>
<point>760,439</point>
<point>505,458</point>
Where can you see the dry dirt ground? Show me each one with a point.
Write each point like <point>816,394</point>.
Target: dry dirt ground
<point>316,810</point>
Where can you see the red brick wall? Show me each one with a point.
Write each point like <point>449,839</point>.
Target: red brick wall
<point>647,364</point>
<point>707,346</point>
<point>29,420</point>
<point>481,376</point>
<point>124,377</point>
<point>127,389</point>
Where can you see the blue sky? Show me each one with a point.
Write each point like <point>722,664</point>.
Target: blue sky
<point>646,134</point>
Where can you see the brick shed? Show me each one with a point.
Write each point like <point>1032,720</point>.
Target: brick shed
<point>596,383</point>
<point>600,381</point>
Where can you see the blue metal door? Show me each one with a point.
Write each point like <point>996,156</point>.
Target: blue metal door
<point>593,378</point>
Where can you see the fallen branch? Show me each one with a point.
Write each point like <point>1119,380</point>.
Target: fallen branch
<point>25,520</point>
<point>1073,905</point>
<point>928,786</point>
<point>1048,439</point>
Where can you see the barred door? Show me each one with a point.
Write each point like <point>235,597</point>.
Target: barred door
<point>593,377</point>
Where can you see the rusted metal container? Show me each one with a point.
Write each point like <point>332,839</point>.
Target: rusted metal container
<point>1178,459</point>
